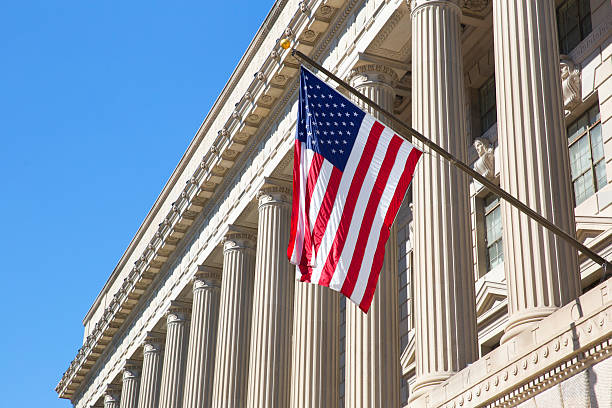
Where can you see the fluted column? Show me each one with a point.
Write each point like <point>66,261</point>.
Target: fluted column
<point>233,340</point>
<point>202,338</point>
<point>445,318</point>
<point>175,355</point>
<point>372,357</point>
<point>315,365</point>
<point>541,269</point>
<point>131,384</point>
<point>112,396</point>
<point>150,379</point>
<point>272,323</point>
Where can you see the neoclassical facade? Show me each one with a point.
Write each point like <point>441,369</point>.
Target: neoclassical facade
<point>476,306</point>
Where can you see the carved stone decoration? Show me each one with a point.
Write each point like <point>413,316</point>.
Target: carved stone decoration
<point>485,165</point>
<point>326,11</point>
<point>475,5</point>
<point>303,7</point>
<point>260,76</point>
<point>571,84</point>
<point>372,73</point>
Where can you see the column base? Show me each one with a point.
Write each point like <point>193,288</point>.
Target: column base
<point>426,383</point>
<point>523,321</point>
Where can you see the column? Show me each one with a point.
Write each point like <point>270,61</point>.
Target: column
<point>202,338</point>
<point>272,323</point>
<point>541,269</point>
<point>445,309</point>
<point>112,396</point>
<point>372,358</point>
<point>175,355</point>
<point>151,370</point>
<point>131,384</point>
<point>233,340</point>
<point>315,365</point>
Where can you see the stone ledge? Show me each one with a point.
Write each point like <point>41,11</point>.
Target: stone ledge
<point>572,338</point>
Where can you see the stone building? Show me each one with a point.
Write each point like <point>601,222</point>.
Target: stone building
<point>476,306</point>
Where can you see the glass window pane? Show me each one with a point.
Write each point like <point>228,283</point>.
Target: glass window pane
<point>600,175</point>
<point>594,114</point>
<point>597,143</point>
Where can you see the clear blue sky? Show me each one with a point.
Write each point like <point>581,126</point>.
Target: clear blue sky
<point>98,101</point>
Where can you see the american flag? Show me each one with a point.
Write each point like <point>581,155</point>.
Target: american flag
<point>350,175</point>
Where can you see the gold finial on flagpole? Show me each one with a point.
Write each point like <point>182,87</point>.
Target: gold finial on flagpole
<point>285,43</point>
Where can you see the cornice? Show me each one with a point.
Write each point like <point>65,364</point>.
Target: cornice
<point>269,82</point>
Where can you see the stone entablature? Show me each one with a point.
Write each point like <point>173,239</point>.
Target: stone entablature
<point>571,339</point>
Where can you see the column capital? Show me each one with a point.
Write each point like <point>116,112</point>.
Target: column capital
<point>153,342</point>
<point>274,192</point>
<point>239,238</point>
<point>131,369</point>
<point>372,74</point>
<point>206,277</point>
<point>178,311</point>
<point>414,5</point>
<point>112,393</point>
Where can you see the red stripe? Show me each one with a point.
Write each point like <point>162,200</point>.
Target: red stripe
<point>296,197</point>
<point>396,202</point>
<point>313,175</point>
<point>368,218</point>
<point>326,207</point>
<point>349,206</point>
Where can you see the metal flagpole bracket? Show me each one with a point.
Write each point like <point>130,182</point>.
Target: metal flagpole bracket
<point>606,266</point>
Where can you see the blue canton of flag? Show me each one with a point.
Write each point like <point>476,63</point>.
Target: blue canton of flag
<point>327,122</point>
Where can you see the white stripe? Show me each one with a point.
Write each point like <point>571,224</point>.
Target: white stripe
<point>300,230</point>
<point>345,183</point>
<point>377,224</point>
<point>362,202</point>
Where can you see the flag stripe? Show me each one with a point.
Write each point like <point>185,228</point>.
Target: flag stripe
<point>313,175</point>
<point>326,207</point>
<point>295,208</point>
<point>351,201</point>
<point>370,212</point>
<point>396,202</point>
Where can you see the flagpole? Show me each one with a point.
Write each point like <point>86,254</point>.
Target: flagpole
<point>607,266</point>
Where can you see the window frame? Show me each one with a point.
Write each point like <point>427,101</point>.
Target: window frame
<point>574,138</point>
<point>486,212</point>
<point>485,115</point>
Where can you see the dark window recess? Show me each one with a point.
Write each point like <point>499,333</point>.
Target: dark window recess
<point>574,23</point>
<point>488,113</point>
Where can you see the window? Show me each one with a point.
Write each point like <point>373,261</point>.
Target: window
<point>586,149</point>
<point>493,233</point>
<point>574,22</point>
<point>488,113</point>
<point>405,299</point>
